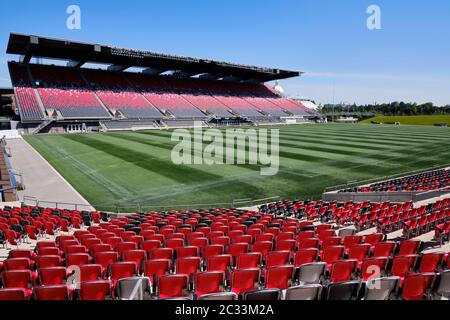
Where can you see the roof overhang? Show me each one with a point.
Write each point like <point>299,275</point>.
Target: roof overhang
<point>77,54</point>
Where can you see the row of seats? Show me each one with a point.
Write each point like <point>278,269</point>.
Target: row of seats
<point>75,94</point>
<point>197,253</point>
<point>430,180</point>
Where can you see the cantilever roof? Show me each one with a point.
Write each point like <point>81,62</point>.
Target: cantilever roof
<point>78,53</point>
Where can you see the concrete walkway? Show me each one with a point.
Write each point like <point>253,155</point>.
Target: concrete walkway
<point>41,180</point>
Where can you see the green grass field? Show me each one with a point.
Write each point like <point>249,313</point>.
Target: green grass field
<point>127,168</point>
<point>414,120</point>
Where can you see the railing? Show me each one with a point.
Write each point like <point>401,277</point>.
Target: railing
<point>355,183</point>
<point>140,207</point>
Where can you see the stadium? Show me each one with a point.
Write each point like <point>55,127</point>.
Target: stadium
<point>94,207</point>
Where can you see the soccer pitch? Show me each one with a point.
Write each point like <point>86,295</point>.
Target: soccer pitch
<point>132,170</point>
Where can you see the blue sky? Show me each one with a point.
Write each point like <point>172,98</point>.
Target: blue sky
<point>344,61</point>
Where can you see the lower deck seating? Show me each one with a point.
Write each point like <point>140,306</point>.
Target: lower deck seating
<point>173,103</point>
<point>209,254</point>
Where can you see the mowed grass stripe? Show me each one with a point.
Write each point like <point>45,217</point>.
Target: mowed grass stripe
<point>311,159</point>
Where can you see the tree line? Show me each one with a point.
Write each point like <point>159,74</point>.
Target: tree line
<point>389,109</point>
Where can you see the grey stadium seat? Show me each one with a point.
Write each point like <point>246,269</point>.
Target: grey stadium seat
<point>306,292</point>
<point>343,291</point>
<point>127,286</point>
<point>381,288</point>
<point>223,296</point>
<point>263,295</point>
<point>311,273</point>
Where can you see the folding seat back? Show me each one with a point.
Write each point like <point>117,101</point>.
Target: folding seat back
<point>343,290</point>
<point>286,245</point>
<point>188,266</point>
<point>13,294</point>
<point>113,241</point>
<point>90,272</point>
<point>323,227</point>
<point>309,243</point>
<point>373,267</point>
<point>136,256</point>
<point>156,268</point>
<point>99,248</point>
<point>359,251</point>
<point>304,256</point>
<point>381,288</point>
<point>48,261</point>
<point>17,279</point>
<point>222,296</point>
<point>121,270</point>
<point>306,235</point>
<point>415,287</point>
<point>174,243</point>
<point>219,262</point>
<point>402,265</point>
<point>74,249</point>
<point>430,262</point>
<point>350,241</point>
<point>212,250</point>
<point>188,251</point>
<point>54,292</point>
<point>304,292</point>
<point>17,264</point>
<point>273,294</point>
<point>88,243</point>
<point>125,246</point>
<point>264,247</point>
<point>199,242</point>
<point>208,282</point>
<point>49,252</point>
<point>246,238</point>
<point>323,234</point>
<point>52,276</point>
<point>279,277</point>
<point>249,260</point>
<point>333,254</point>
<point>172,286</point>
<point>343,270</point>
<point>162,253</point>
<point>125,288</point>
<point>21,253</point>
<point>331,242</point>
<point>106,258</point>
<point>77,259</point>
<point>66,243</point>
<point>277,258</point>
<point>408,247</point>
<point>311,273</point>
<point>149,245</point>
<point>243,280</point>
<point>384,249</point>
<point>265,237</point>
<point>45,244</point>
<point>95,290</point>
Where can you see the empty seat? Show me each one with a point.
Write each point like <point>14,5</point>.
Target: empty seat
<point>208,282</point>
<point>55,292</point>
<point>280,277</point>
<point>415,287</point>
<point>95,290</point>
<point>244,280</point>
<point>304,292</point>
<point>381,288</point>
<point>173,286</point>
<point>13,294</point>
<point>343,290</point>
<point>311,273</point>
<point>133,288</point>
<point>263,295</point>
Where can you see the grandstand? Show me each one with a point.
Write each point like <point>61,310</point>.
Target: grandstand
<point>169,88</point>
